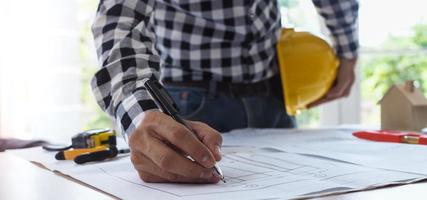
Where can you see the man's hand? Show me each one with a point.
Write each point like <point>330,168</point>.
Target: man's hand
<point>159,147</point>
<point>343,82</point>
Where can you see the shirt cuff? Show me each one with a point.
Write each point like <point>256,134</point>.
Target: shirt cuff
<point>347,43</point>
<point>130,112</point>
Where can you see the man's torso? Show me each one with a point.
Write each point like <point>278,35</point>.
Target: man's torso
<point>228,41</point>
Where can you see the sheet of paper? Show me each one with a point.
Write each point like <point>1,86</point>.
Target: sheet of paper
<point>262,173</point>
<point>336,144</point>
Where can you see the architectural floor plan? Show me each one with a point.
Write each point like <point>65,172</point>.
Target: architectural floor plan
<point>275,175</point>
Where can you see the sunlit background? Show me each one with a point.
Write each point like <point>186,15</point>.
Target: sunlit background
<point>47,58</point>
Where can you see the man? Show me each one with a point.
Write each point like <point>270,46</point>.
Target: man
<point>217,59</point>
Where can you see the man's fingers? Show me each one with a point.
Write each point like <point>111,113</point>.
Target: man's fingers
<point>342,89</point>
<point>348,89</point>
<point>183,179</point>
<point>149,172</point>
<point>183,139</point>
<point>150,178</point>
<point>321,101</point>
<point>161,149</point>
<point>143,164</point>
<point>318,102</point>
<point>145,168</point>
<point>333,94</point>
<point>337,90</point>
<point>209,136</point>
<point>169,160</point>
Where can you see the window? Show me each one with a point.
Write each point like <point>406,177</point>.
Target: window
<point>45,66</point>
<point>39,68</point>
<point>393,49</point>
<point>47,58</point>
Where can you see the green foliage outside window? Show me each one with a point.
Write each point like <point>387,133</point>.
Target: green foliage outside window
<point>420,36</point>
<point>409,63</point>
<point>404,58</point>
<point>288,3</point>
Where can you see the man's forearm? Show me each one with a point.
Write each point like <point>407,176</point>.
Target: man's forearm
<point>127,56</point>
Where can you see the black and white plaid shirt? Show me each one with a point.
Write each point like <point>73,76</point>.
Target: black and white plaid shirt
<point>193,40</point>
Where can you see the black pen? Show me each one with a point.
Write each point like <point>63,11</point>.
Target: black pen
<point>168,106</point>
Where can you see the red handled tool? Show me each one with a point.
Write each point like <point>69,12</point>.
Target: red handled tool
<point>392,136</point>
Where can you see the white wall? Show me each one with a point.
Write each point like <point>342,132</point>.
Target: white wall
<point>39,71</point>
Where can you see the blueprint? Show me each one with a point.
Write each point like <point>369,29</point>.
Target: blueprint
<point>338,144</point>
<point>251,173</point>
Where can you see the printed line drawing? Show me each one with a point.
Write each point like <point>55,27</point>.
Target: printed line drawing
<point>243,172</point>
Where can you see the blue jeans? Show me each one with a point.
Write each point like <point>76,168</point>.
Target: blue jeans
<point>225,113</point>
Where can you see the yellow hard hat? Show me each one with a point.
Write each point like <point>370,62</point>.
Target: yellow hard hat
<point>308,67</point>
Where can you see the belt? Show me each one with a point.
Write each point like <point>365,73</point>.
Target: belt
<point>261,88</point>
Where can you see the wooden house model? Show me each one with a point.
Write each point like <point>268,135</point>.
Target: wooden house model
<point>403,107</point>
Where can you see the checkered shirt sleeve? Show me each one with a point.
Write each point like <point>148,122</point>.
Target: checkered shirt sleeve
<point>125,47</point>
<point>341,20</point>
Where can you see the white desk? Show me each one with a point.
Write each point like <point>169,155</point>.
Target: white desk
<point>20,179</point>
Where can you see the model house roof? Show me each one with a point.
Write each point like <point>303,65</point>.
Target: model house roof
<point>410,92</point>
